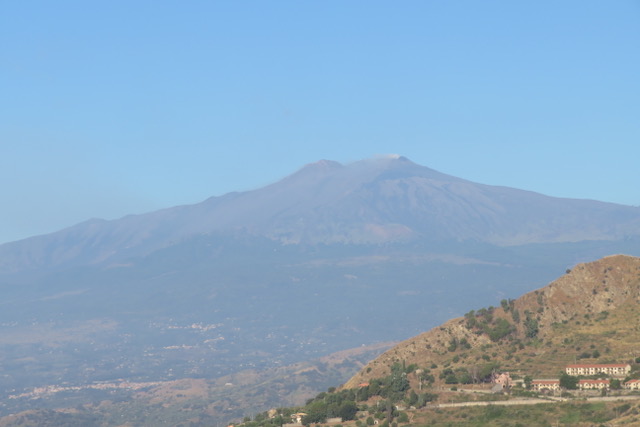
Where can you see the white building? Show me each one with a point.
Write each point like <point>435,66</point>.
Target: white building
<point>614,369</point>
<point>593,384</point>
<point>540,385</point>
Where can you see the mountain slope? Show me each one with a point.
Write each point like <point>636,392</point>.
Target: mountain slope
<point>591,312</point>
<point>372,201</point>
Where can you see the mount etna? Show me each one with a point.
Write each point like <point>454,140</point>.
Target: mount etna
<point>329,258</point>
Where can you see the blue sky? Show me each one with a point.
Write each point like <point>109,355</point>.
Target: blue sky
<point>120,107</point>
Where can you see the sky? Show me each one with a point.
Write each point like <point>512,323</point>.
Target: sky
<point>124,107</point>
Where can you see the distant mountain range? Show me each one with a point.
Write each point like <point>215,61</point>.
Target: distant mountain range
<point>329,258</point>
<point>374,201</point>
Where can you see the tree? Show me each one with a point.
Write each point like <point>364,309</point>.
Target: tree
<point>530,326</point>
<point>413,398</point>
<point>399,382</point>
<point>463,376</point>
<point>451,379</point>
<point>568,382</point>
<point>426,377</point>
<point>501,329</point>
<point>411,368</point>
<point>347,410</point>
<point>374,387</point>
<point>486,370</point>
<point>316,413</point>
<point>527,382</point>
<point>424,398</point>
<point>471,319</point>
<point>362,395</point>
<point>486,314</point>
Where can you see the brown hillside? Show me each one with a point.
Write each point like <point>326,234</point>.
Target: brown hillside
<point>592,312</point>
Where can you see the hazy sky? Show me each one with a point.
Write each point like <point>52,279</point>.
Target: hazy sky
<point>117,107</point>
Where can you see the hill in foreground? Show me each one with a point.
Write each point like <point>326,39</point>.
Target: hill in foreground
<point>447,376</point>
<point>592,310</point>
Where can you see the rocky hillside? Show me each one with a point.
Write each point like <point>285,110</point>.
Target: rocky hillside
<point>592,312</point>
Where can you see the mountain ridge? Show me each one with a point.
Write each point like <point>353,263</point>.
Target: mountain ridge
<point>372,201</point>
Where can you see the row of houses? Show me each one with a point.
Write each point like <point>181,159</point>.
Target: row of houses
<point>611,369</point>
<point>554,385</point>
